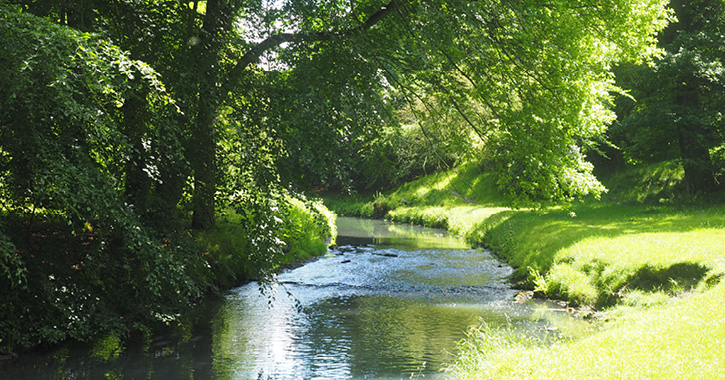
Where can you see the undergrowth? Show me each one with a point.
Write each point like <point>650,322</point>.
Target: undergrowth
<point>61,284</point>
<point>308,228</point>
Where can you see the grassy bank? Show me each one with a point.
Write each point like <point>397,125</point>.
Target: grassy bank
<point>678,339</point>
<point>308,228</point>
<point>651,266</point>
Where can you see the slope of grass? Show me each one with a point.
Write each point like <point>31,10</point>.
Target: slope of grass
<point>681,339</point>
<point>597,255</point>
<point>650,263</point>
<point>462,186</point>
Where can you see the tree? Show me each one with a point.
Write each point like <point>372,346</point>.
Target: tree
<point>540,69</point>
<point>66,132</point>
<point>203,52</point>
<point>680,97</point>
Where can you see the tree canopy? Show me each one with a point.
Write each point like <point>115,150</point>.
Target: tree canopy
<point>532,79</point>
<point>678,100</point>
<point>126,123</point>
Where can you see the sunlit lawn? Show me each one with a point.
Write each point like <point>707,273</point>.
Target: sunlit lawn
<point>680,339</point>
<point>652,272</point>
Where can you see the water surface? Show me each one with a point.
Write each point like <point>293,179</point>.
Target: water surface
<point>390,302</point>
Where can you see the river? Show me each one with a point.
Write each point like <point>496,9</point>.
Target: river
<point>390,302</point>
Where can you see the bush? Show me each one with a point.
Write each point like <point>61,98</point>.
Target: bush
<point>308,230</point>
<point>303,229</point>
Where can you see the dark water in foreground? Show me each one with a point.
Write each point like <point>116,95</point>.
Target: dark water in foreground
<point>391,302</point>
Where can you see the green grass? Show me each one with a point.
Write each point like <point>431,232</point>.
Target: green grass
<point>595,255</point>
<point>308,228</point>
<point>647,260</point>
<point>466,184</point>
<point>462,186</point>
<point>680,339</point>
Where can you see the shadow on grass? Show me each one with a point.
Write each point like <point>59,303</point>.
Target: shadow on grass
<point>673,280</point>
<point>530,240</point>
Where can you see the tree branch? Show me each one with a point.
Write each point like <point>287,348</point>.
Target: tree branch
<point>275,40</point>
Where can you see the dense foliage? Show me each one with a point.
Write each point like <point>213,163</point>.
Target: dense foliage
<point>126,124</point>
<point>676,106</point>
<point>82,259</point>
<point>528,83</point>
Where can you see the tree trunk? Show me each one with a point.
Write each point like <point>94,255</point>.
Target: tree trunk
<point>138,183</point>
<point>691,133</point>
<point>203,159</point>
<point>203,164</point>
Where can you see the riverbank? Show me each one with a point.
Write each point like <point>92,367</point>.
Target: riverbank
<point>651,271</point>
<point>87,286</point>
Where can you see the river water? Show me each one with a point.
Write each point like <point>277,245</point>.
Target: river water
<point>390,302</point>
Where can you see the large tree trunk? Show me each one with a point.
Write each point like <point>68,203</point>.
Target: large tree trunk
<point>203,159</point>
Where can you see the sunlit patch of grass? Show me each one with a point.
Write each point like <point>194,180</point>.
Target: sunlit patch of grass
<point>463,185</point>
<point>617,257</point>
<point>679,339</point>
<point>612,246</point>
<point>460,219</point>
<point>567,282</point>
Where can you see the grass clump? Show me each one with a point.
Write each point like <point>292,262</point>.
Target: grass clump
<point>308,231</point>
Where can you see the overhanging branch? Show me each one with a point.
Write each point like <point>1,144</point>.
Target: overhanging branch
<point>278,39</point>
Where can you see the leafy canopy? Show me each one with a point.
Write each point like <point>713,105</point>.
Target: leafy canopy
<point>532,79</point>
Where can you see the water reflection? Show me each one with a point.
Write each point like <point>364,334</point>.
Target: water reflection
<point>386,311</point>
<point>355,231</point>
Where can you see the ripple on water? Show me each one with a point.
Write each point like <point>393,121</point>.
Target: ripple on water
<point>382,311</point>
